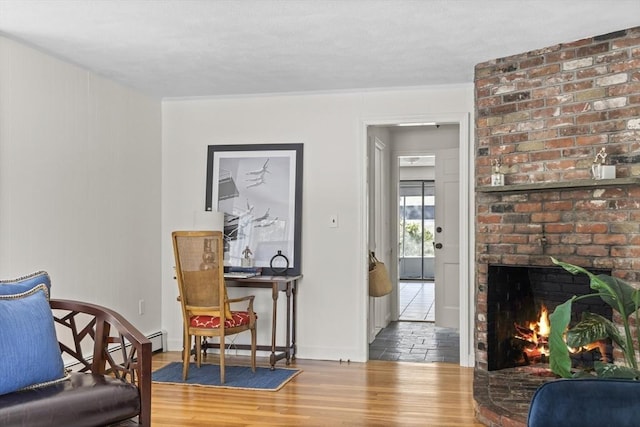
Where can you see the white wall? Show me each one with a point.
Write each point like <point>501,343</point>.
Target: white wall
<point>417,173</point>
<point>80,183</point>
<point>333,295</point>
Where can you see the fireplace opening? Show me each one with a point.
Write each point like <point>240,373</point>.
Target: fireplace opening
<point>517,298</point>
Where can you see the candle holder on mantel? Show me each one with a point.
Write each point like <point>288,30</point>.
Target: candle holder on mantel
<point>497,178</point>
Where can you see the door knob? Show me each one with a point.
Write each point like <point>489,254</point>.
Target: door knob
<point>439,229</point>
<point>438,245</point>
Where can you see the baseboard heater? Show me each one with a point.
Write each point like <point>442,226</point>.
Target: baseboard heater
<point>158,341</point>
<point>158,344</point>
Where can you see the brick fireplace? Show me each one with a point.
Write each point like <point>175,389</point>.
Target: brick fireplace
<point>543,116</point>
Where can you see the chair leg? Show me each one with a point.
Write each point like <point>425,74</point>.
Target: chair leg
<point>222,359</point>
<point>253,348</point>
<point>198,350</point>
<point>186,354</point>
<point>205,346</point>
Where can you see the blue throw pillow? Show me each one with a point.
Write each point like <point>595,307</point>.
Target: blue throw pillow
<point>29,350</point>
<point>25,283</point>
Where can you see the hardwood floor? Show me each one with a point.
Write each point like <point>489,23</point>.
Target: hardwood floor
<point>326,393</point>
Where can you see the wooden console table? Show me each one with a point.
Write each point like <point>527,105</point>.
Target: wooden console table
<point>277,284</point>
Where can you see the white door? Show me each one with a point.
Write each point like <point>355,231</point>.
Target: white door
<point>447,239</point>
<point>381,225</point>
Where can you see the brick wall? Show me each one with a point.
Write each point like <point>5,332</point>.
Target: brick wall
<point>544,115</point>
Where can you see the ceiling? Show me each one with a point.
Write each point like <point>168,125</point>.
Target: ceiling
<point>204,48</point>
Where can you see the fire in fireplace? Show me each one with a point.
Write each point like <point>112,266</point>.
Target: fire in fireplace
<point>533,339</point>
<point>520,299</point>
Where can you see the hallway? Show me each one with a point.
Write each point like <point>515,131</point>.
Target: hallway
<point>415,338</point>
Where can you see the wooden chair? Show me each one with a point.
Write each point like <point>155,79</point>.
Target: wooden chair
<point>203,296</point>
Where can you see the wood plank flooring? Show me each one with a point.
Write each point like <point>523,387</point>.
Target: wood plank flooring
<point>326,393</point>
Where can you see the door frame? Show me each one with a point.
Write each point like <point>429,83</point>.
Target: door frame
<point>467,241</point>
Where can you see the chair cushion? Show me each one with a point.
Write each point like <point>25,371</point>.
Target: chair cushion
<point>83,400</point>
<point>29,350</point>
<point>238,318</point>
<point>25,283</point>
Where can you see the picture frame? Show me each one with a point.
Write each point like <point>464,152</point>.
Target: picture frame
<point>259,189</point>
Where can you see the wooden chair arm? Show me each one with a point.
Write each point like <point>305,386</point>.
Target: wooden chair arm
<point>118,348</point>
<point>249,298</point>
<point>206,311</point>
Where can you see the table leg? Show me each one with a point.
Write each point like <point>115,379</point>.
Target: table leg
<point>274,295</point>
<point>287,351</point>
<point>294,292</point>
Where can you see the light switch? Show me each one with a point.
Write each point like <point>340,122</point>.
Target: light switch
<point>333,221</point>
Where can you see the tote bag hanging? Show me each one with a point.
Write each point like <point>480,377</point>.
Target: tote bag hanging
<point>379,283</point>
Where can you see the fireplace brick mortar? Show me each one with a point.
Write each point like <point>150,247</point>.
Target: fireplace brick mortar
<point>544,115</point>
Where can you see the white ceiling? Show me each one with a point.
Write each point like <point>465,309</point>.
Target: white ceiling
<point>173,48</point>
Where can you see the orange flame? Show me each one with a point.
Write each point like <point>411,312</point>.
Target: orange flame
<point>536,338</point>
<point>536,333</point>
<point>544,327</point>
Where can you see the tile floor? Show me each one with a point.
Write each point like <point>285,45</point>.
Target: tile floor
<point>417,301</point>
<point>415,338</point>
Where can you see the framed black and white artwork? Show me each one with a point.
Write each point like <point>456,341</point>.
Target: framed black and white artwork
<point>259,189</point>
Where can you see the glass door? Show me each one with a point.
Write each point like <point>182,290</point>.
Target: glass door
<point>417,214</point>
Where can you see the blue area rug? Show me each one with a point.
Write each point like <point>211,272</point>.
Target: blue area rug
<point>240,377</point>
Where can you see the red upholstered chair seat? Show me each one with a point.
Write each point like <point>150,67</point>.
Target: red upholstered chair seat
<point>238,318</point>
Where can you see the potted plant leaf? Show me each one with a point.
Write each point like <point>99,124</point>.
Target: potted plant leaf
<point>622,298</point>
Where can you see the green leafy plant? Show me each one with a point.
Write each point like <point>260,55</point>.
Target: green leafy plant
<point>618,294</point>
<point>415,231</point>
<point>414,239</point>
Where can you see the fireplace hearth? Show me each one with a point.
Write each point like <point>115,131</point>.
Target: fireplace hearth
<point>515,294</point>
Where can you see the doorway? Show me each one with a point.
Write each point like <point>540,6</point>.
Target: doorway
<point>410,217</point>
<point>416,252</point>
<point>428,234</point>
<point>416,243</point>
